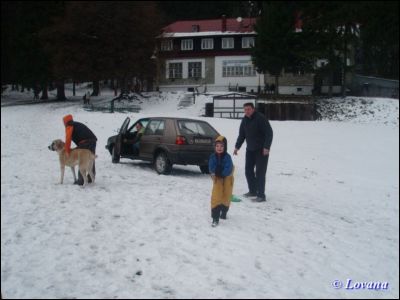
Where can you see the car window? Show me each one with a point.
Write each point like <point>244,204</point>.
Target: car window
<point>133,127</point>
<point>155,127</point>
<point>196,128</point>
<point>124,125</point>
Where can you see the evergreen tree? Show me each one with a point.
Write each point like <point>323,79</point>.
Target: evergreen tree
<point>277,44</point>
<point>330,28</point>
<point>23,59</point>
<point>192,10</point>
<point>379,27</point>
<point>104,39</point>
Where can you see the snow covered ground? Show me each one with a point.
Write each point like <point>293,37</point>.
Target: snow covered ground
<point>332,212</point>
<point>360,110</point>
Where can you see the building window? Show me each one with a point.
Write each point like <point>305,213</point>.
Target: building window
<point>227,43</point>
<point>247,42</point>
<point>194,69</point>
<point>249,71</point>
<point>207,44</point>
<point>238,69</point>
<point>175,70</point>
<point>187,45</point>
<point>166,45</point>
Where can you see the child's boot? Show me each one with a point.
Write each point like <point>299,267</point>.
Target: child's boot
<point>224,211</point>
<point>215,213</point>
<point>215,222</point>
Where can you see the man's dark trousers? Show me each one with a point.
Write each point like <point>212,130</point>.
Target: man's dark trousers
<point>90,145</point>
<point>256,181</point>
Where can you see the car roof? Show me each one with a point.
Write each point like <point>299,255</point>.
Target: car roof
<point>173,118</point>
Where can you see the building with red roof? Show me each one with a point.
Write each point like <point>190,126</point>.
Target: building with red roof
<point>212,55</point>
<point>215,55</point>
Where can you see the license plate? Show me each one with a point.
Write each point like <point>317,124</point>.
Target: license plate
<point>202,141</point>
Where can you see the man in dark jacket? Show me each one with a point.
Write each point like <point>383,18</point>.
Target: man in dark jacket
<point>257,132</point>
<point>136,140</point>
<point>83,137</point>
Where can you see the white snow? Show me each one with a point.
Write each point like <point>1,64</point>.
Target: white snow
<point>332,212</point>
<point>361,110</point>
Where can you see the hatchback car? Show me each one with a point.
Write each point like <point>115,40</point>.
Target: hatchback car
<point>165,142</point>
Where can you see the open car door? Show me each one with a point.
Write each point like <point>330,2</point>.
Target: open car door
<point>116,154</point>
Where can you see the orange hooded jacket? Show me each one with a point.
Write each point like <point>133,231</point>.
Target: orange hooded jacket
<point>68,132</point>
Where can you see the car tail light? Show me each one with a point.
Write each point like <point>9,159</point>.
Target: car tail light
<point>180,140</point>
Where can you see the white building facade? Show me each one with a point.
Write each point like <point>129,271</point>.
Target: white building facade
<point>215,55</point>
<point>208,55</point>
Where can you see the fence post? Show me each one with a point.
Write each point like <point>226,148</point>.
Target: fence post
<point>234,104</point>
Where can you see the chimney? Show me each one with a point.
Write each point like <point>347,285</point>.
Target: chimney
<point>223,23</point>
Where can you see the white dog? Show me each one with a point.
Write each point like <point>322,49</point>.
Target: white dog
<point>84,158</point>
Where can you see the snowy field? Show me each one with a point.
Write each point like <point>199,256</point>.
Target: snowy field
<point>332,212</point>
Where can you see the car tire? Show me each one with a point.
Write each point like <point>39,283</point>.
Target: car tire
<point>162,164</point>
<point>204,169</point>
<point>114,155</point>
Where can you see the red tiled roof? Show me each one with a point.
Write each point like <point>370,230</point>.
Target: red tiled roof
<point>246,25</point>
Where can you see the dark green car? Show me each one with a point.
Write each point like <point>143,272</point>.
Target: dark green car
<point>165,142</point>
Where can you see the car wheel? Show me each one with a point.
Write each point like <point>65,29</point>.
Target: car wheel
<point>115,156</point>
<point>162,164</point>
<point>204,169</point>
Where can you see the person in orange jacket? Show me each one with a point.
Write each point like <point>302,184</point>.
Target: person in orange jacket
<point>82,136</point>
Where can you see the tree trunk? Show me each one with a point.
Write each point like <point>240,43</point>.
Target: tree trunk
<point>149,84</point>
<point>73,89</point>
<point>132,84</point>
<point>96,88</point>
<point>115,86</point>
<point>344,63</point>
<point>276,85</point>
<point>36,91</point>
<point>124,85</point>
<point>45,94</point>
<point>330,90</point>
<point>61,90</point>
<point>141,84</point>
<point>22,88</point>
<point>318,84</point>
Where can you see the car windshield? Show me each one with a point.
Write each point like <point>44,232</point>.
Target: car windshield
<point>196,128</point>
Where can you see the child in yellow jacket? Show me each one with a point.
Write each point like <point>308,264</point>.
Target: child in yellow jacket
<point>221,169</point>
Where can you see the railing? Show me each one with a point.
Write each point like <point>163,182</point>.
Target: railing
<point>111,107</point>
<point>279,108</point>
<point>231,105</point>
